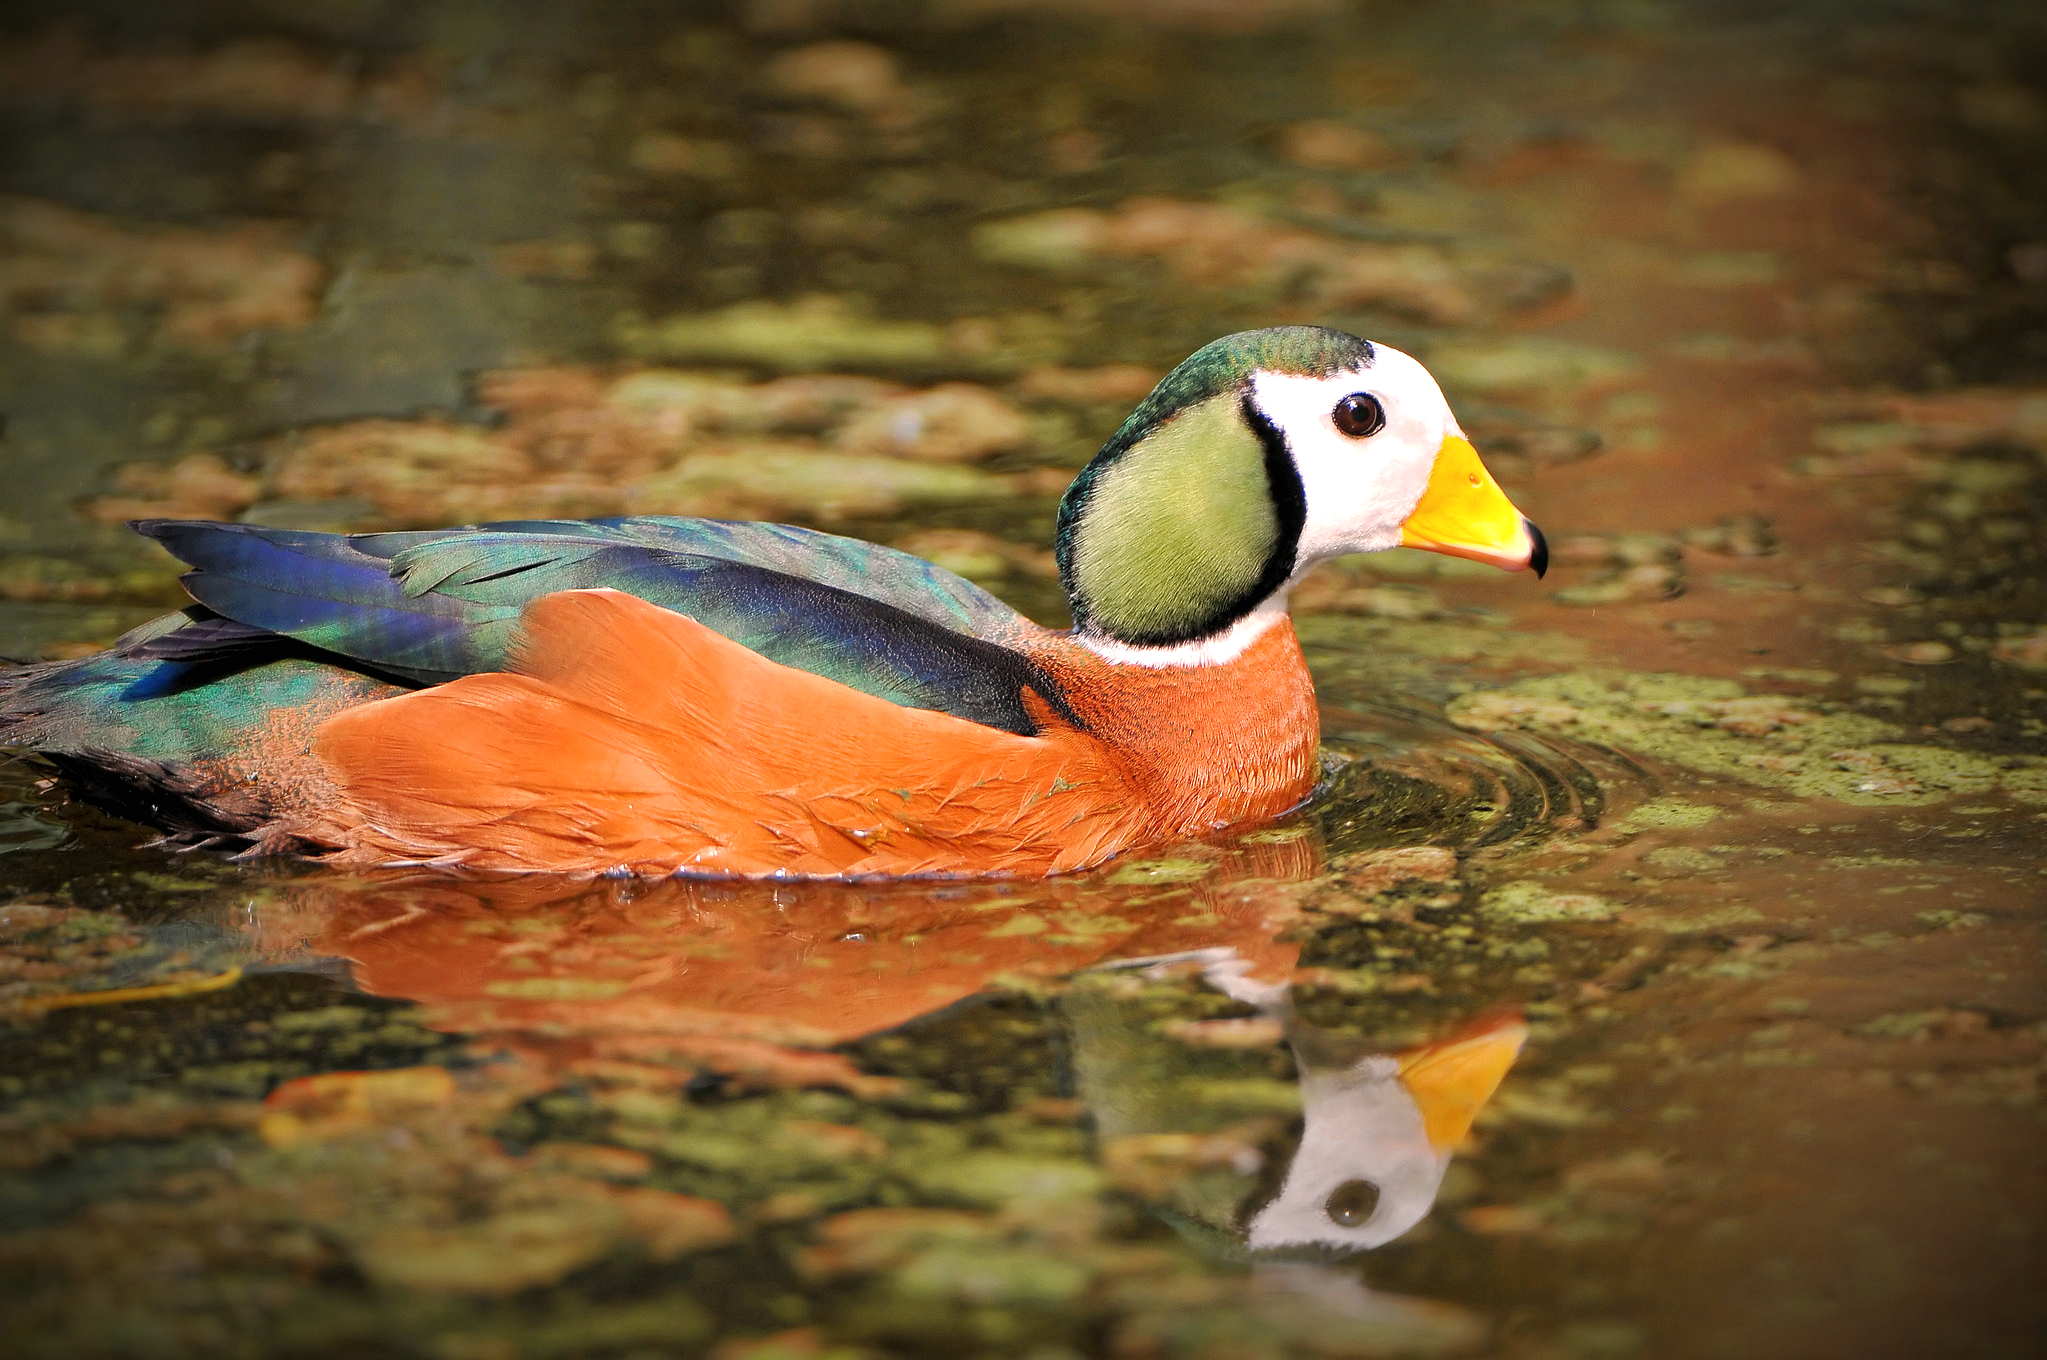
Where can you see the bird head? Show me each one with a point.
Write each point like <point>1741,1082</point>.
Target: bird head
<point>1261,455</point>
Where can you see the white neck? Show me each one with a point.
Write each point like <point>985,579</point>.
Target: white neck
<point>1217,649</point>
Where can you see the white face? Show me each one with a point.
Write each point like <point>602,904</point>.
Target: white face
<point>1358,489</point>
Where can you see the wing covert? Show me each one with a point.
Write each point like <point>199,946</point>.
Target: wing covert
<point>428,607</point>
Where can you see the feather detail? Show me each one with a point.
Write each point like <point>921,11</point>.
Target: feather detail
<point>429,607</point>
<point>183,745</point>
<point>633,738</point>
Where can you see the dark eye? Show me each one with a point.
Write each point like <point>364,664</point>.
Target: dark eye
<point>1351,1203</point>
<point>1360,414</point>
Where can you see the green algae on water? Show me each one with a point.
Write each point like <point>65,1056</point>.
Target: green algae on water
<point>1716,727</point>
<point>1530,903</point>
<point>1672,813</point>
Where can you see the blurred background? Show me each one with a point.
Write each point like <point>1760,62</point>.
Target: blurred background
<point>366,265</point>
<point>1745,303</point>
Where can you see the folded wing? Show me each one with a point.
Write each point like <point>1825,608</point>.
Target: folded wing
<point>426,608</point>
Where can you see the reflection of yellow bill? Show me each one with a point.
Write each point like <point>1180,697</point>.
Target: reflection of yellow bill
<point>1450,1081</point>
<point>1464,513</point>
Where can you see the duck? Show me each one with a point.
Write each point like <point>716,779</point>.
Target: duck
<point>646,696</point>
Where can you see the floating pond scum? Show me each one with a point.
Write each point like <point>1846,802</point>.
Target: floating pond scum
<point>1655,972</point>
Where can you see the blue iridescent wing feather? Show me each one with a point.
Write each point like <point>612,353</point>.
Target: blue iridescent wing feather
<point>426,607</point>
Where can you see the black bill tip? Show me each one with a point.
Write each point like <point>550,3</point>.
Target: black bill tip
<point>1538,553</point>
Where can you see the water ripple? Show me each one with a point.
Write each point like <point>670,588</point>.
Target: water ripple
<point>1410,775</point>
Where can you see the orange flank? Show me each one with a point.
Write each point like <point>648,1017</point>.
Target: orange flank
<point>629,738</point>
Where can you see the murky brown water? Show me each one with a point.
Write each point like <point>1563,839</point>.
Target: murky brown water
<point>1740,813</point>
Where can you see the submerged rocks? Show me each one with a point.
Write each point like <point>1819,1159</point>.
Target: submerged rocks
<point>950,423</point>
<point>252,80</point>
<point>769,481</point>
<point>1530,364</point>
<point>1735,536</point>
<point>1631,566</point>
<point>2023,648</point>
<point>853,77</point>
<point>816,332</point>
<point>58,958</point>
<point>1216,245</point>
<point>1332,144</point>
<point>1651,566</point>
<point>76,283</point>
<point>197,486</point>
<point>1917,434</point>
<point>1530,903</point>
<point>1338,589</point>
<point>1728,171</point>
<point>580,442</point>
<point>823,331</point>
<point>1216,17</point>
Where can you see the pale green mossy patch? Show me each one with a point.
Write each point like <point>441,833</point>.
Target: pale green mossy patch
<point>1529,364</point>
<point>1384,640</point>
<point>1277,835</point>
<point>1527,902</point>
<point>1673,813</point>
<point>1912,1026</point>
<point>1223,1099</point>
<point>798,479</point>
<point>1162,871</point>
<point>2027,783</point>
<point>1682,859</point>
<point>1797,675</point>
<point>1946,918</point>
<point>635,1327</point>
<point>323,1019</point>
<point>823,331</point>
<point>1716,727</point>
<point>1027,1277</point>
<point>810,333</point>
<point>994,1179</point>
<point>1700,922</point>
<point>1460,642</point>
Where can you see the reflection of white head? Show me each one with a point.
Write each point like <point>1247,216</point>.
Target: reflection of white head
<point>1378,1129</point>
<point>1365,1171</point>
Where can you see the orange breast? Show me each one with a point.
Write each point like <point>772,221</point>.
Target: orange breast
<point>633,739</point>
<point>1203,747</point>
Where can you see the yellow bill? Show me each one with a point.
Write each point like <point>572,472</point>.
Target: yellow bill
<point>1451,1081</point>
<point>1464,513</point>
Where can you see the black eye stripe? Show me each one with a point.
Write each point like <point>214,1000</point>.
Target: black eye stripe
<point>1359,415</point>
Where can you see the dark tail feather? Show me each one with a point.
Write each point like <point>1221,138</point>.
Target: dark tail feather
<point>209,638</point>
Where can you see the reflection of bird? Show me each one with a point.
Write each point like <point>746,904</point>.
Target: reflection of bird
<point>1377,1136</point>
<point>1378,1128</point>
<point>718,972</point>
<point>649,695</point>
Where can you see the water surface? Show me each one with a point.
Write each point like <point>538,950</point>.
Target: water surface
<point>1722,844</point>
